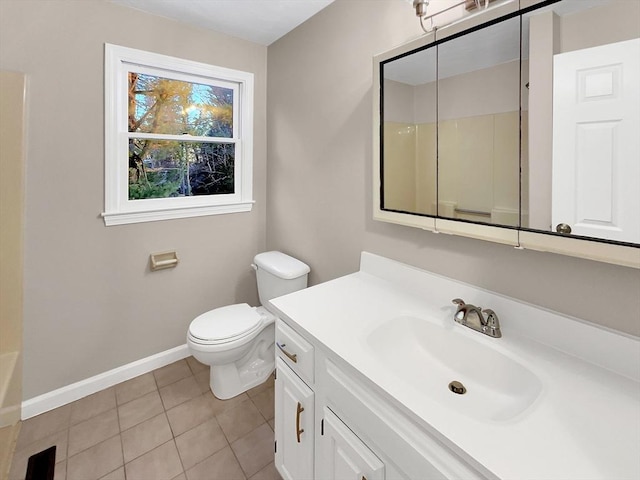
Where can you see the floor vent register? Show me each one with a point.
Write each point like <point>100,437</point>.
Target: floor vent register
<point>42,465</point>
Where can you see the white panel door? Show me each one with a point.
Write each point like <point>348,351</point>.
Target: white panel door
<point>293,425</point>
<point>596,141</point>
<point>343,456</point>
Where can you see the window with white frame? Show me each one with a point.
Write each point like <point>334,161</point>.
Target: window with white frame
<point>178,138</point>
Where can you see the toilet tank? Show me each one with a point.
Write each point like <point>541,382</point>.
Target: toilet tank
<point>278,274</point>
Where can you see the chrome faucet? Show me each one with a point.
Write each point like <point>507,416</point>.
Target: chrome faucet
<point>474,318</point>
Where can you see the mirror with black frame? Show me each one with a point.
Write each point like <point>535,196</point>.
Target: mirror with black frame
<point>479,125</point>
<point>451,127</point>
<point>581,174</point>
<point>513,130</point>
<point>409,171</point>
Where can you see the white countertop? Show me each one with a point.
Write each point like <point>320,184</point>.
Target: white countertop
<point>585,424</point>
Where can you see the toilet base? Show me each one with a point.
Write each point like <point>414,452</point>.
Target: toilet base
<point>226,381</point>
<point>237,366</point>
<point>231,379</point>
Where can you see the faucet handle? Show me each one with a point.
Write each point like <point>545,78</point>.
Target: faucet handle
<point>492,324</point>
<point>492,318</point>
<point>461,312</point>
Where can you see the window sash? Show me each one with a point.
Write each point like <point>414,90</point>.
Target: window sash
<point>180,138</point>
<point>198,79</point>
<point>193,201</point>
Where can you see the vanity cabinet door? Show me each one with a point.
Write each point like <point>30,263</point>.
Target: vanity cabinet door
<point>343,456</point>
<point>294,420</point>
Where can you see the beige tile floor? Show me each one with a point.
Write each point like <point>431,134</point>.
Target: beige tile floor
<point>161,425</point>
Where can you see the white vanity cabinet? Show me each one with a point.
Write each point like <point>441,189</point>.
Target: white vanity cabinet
<point>356,434</point>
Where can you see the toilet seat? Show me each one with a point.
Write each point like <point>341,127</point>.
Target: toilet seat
<point>225,324</point>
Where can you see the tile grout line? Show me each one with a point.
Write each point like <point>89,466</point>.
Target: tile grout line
<point>124,470</point>
<point>232,451</point>
<point>173,435</point>
<point>165,410</point>
<point>66,450</point>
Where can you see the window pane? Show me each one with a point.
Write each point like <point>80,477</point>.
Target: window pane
<point>162,169</point>
<point>164,106</point>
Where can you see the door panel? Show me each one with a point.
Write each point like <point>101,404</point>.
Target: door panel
<point>596,146</point>
<point>344,455</point>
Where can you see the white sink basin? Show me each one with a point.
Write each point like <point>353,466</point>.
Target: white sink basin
<point>429,357</point>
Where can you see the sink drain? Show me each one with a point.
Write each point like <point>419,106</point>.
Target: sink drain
<point>457,387</point>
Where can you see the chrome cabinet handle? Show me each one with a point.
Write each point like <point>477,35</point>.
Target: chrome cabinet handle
<point>299,430</point>
<point>292,356</point>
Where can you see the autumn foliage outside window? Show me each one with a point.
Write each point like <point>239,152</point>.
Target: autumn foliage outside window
<point>171,168</point>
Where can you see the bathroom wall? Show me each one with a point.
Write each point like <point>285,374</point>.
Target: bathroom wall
<point>90,302</point>
<point>12,89</point>
<point>401,163</point>
<point>478,161</point>
<point>320,169</point>
<point>612,22</point>
<point>478,166</point>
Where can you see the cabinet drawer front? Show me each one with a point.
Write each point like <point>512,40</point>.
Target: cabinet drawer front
<point>295,351</point>
<point>294,425</point>
<point>412,449</point>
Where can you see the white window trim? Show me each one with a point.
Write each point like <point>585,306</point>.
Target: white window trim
<point>118,208</point>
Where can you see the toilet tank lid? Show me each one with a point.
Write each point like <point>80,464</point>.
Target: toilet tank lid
<point>281,265</point>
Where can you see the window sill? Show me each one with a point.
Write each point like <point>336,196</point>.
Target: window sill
<point>123,218</point>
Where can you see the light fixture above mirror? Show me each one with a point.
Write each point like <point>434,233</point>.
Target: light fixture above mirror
<point>421,6</point>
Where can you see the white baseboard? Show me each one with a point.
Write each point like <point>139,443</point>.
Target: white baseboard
<point>70,393</point>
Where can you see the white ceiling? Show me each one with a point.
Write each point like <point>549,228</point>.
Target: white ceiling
<point>259,21</point>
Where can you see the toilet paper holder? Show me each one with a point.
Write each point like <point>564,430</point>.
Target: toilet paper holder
<point>162,260</point>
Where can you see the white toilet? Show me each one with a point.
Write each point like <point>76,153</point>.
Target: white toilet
<point>237,341</point>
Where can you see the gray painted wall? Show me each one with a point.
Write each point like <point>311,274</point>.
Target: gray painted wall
<point>319,162</point>
<point>91,303</point>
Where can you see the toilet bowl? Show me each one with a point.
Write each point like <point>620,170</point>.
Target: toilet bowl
<point>237,341</point>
